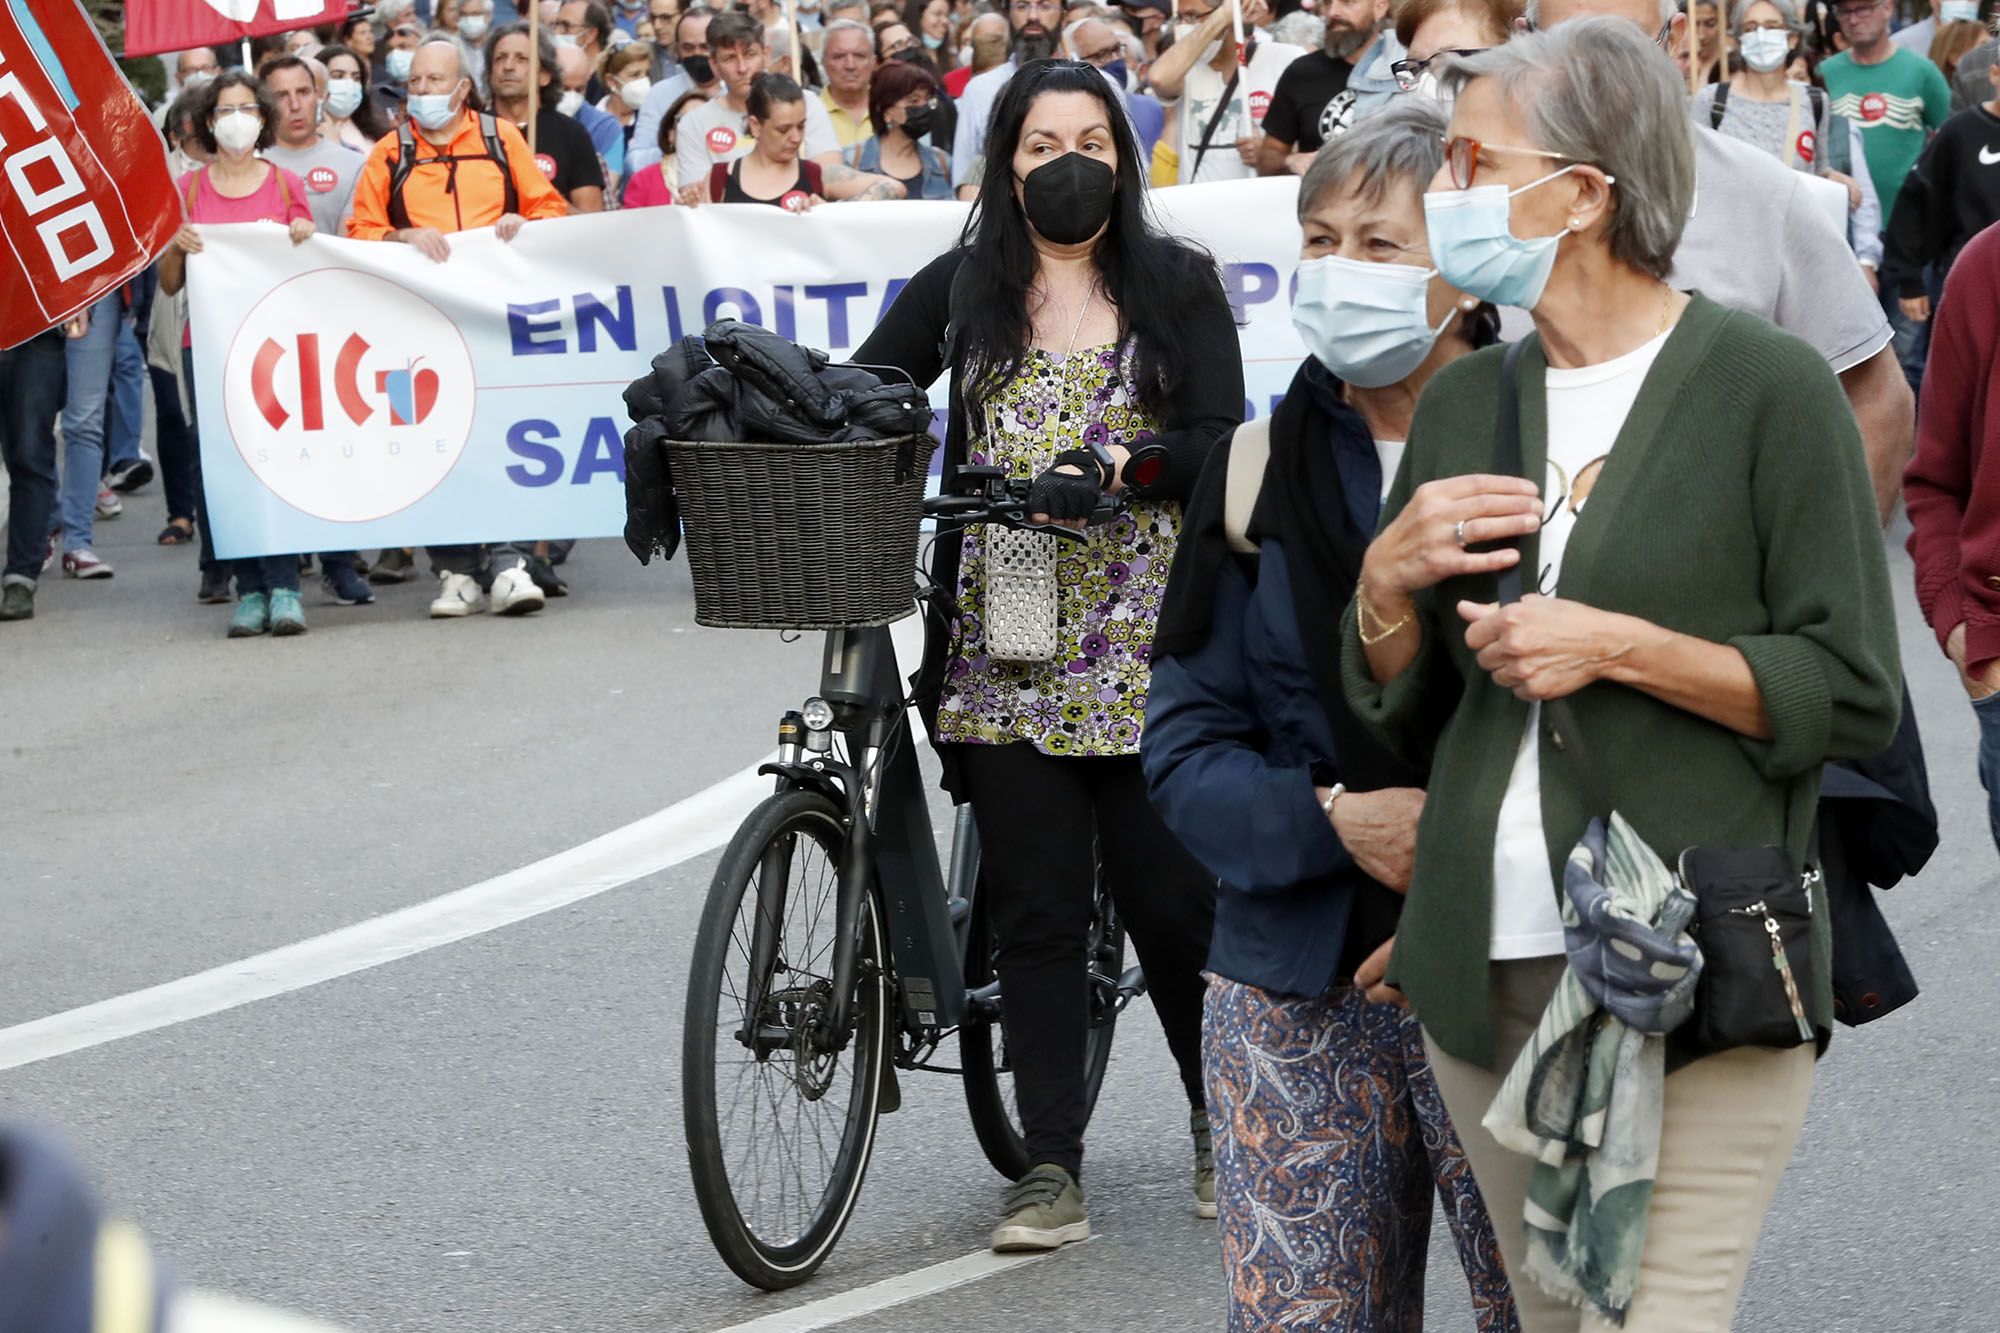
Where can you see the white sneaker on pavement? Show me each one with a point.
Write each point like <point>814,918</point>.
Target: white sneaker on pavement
<point>514,592</point>
<point>108,503</point>
<point>84,564</point>
<point>458,595</point>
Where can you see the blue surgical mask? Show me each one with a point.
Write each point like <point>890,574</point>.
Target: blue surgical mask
<point>1477,251</point>
<point>399,64</point>
<point>343,97</point>
<point>1367,323</point>
<point>433,111</point>
<point>1958,11</point>
<point>1115,71</point>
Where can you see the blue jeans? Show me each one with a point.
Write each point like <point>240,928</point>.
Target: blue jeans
<point>31,393</point>
<point>1987,710</point>
<point>266,573</point>
<point>85,415</point>
<point>128,399</point>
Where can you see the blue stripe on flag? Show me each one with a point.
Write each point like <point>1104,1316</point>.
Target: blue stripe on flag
<point>38,41</point>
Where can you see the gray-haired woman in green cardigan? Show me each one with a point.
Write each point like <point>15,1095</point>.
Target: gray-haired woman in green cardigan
<point>1712,600</point>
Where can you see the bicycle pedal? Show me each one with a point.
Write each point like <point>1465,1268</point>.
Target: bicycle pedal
<point>891,1099</point>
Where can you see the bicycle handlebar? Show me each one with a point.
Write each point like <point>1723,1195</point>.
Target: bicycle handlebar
<point>1000,501</point>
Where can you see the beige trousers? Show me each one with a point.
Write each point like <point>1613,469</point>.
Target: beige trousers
<point>1729,1126</point>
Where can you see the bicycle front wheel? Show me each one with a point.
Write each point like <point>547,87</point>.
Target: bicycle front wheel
<point>780,1117</point>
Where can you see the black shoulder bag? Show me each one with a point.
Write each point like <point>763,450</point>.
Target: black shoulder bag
<point>1753,908</point>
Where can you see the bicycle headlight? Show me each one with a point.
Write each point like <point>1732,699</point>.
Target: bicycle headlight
<point>818,714</point>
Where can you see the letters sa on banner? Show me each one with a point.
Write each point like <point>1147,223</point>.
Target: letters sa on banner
<point>88,200</point>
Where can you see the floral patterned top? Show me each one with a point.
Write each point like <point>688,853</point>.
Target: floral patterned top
<point>1091,698</point>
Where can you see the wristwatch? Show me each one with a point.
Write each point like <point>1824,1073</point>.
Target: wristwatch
<point>1143,465</point>
<point>1334,793</point>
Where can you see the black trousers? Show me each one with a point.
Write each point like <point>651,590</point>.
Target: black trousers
<point>1042,822</point>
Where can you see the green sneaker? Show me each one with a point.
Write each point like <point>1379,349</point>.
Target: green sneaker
<point>1044,1212</point>
<point>253,616</point>
<point>17,599</point>
<point>1204,1164</point>
<point>288,614</point>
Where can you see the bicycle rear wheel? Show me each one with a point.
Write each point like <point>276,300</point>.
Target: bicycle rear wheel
<point>780,1127</point>
<point>982,1044</point>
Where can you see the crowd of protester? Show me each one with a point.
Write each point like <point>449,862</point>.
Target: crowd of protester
<point>1730,238</point>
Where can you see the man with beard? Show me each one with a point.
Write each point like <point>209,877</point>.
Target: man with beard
<point>1034,39</point>
<point>1323,92</point>
<point>562,147</point>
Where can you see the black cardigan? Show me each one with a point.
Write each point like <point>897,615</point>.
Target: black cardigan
<point>1201,410</point>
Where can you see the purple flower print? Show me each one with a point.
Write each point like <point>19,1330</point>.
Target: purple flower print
<point>1118,572</point>
<point>1095,645</point>
<point>1096,433</point>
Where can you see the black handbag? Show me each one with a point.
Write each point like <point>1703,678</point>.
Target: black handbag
<point>1753,906</point>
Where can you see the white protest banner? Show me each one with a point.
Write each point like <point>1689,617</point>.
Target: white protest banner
<point>355,394</point>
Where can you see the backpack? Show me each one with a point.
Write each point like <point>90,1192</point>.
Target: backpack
<point>1249,454</point>
<point>406,162</point>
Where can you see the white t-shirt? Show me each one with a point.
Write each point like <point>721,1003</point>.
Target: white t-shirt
<point>1201,92</point>
<point>713,133</point>
<point>1587,409</point>
<point>1391,454</point>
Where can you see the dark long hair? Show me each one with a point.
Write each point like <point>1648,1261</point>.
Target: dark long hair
<point>1150,276</point>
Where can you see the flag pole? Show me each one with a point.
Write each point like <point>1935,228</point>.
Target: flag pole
<point>534,69</point>
<point>798,56</point>
<point>1242,67</point>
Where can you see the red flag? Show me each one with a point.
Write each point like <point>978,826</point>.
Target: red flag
<point>89,201</point>
<point>154,26</point>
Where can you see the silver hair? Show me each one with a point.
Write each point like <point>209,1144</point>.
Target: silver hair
<point>1787,10</point>
<point>1401,144</point>
<point>778,39</point>
<point>1597,91</point>
<point>458,49</point>
<point>847,25</point>
<point>1668,8</point>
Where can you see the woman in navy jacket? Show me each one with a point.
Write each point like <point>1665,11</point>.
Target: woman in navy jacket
<point>1329,1132</point>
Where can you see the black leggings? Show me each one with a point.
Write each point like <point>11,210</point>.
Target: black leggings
<point>1040,821</point>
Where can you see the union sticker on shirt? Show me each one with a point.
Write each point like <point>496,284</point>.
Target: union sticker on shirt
<point>721,140</point>
<point>795,200</point>
<point>321,179</point>
<point>1873,107</point>
<point>1808,144</point>
<point>547,164</point>
<point>1260,102</point>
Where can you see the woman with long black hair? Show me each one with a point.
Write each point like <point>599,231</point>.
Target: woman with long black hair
<point>1081,336</point>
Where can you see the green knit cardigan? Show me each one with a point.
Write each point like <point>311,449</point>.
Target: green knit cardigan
<point>1735,506</point>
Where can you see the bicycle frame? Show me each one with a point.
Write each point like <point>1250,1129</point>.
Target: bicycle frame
<point>889,845</point>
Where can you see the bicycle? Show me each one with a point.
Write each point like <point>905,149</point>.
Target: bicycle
<point>820,1013</point>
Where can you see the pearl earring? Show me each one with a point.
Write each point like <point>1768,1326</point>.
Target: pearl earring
<point>1469,304</point>
<point>1574,225</point>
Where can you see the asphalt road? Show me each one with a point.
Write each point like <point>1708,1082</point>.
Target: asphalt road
<point>486,1135</point>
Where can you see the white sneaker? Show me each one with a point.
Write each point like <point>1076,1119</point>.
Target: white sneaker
<point>108,503</point>
<point>514,593</point>
<point>458,595</point>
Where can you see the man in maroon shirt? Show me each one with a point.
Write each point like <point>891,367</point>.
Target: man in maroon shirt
<point>1952,489</point>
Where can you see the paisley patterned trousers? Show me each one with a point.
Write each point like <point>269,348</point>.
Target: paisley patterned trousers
<point>1330,1138</point>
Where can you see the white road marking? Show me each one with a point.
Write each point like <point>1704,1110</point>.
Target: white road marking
<point>888,1293</point>
<point>678,833</point>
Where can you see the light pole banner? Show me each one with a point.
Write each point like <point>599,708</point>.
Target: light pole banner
<point>355,394</point>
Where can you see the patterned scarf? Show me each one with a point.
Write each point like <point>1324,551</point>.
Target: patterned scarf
<point>1584,1097</point>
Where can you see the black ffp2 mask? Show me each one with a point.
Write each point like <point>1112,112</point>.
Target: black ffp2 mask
<point>698,69</point>
<point>1068,201</point>
<point>917,120</point>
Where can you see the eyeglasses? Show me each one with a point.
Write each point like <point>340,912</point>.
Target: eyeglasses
<point>1462,155</point>
<point>1103,57</point>
<point>1768,25</point>
<point>1407,72</point>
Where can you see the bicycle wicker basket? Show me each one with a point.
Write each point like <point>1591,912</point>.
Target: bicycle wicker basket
<point>801,536</point>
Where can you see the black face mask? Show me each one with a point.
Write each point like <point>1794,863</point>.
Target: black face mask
<point>917,120</point>
<point>699,70</point>
<point>1068,201</point>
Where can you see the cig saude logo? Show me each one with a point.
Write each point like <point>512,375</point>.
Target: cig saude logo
<point>349,397</point>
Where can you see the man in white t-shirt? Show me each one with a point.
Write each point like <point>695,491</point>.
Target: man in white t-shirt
<point>1222,100</point>
<point>717,131</point>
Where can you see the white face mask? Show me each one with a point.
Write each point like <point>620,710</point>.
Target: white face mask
<point>198,78</point>
<point>633,91</point>
<point>1765,49</point>
<point>1958,11</point>
<point>237,133</point>
<point>472,27</point>
<point>343,97</point>
<point>569,102</point>
<point>1185,32</point>
<point>565,39</point>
